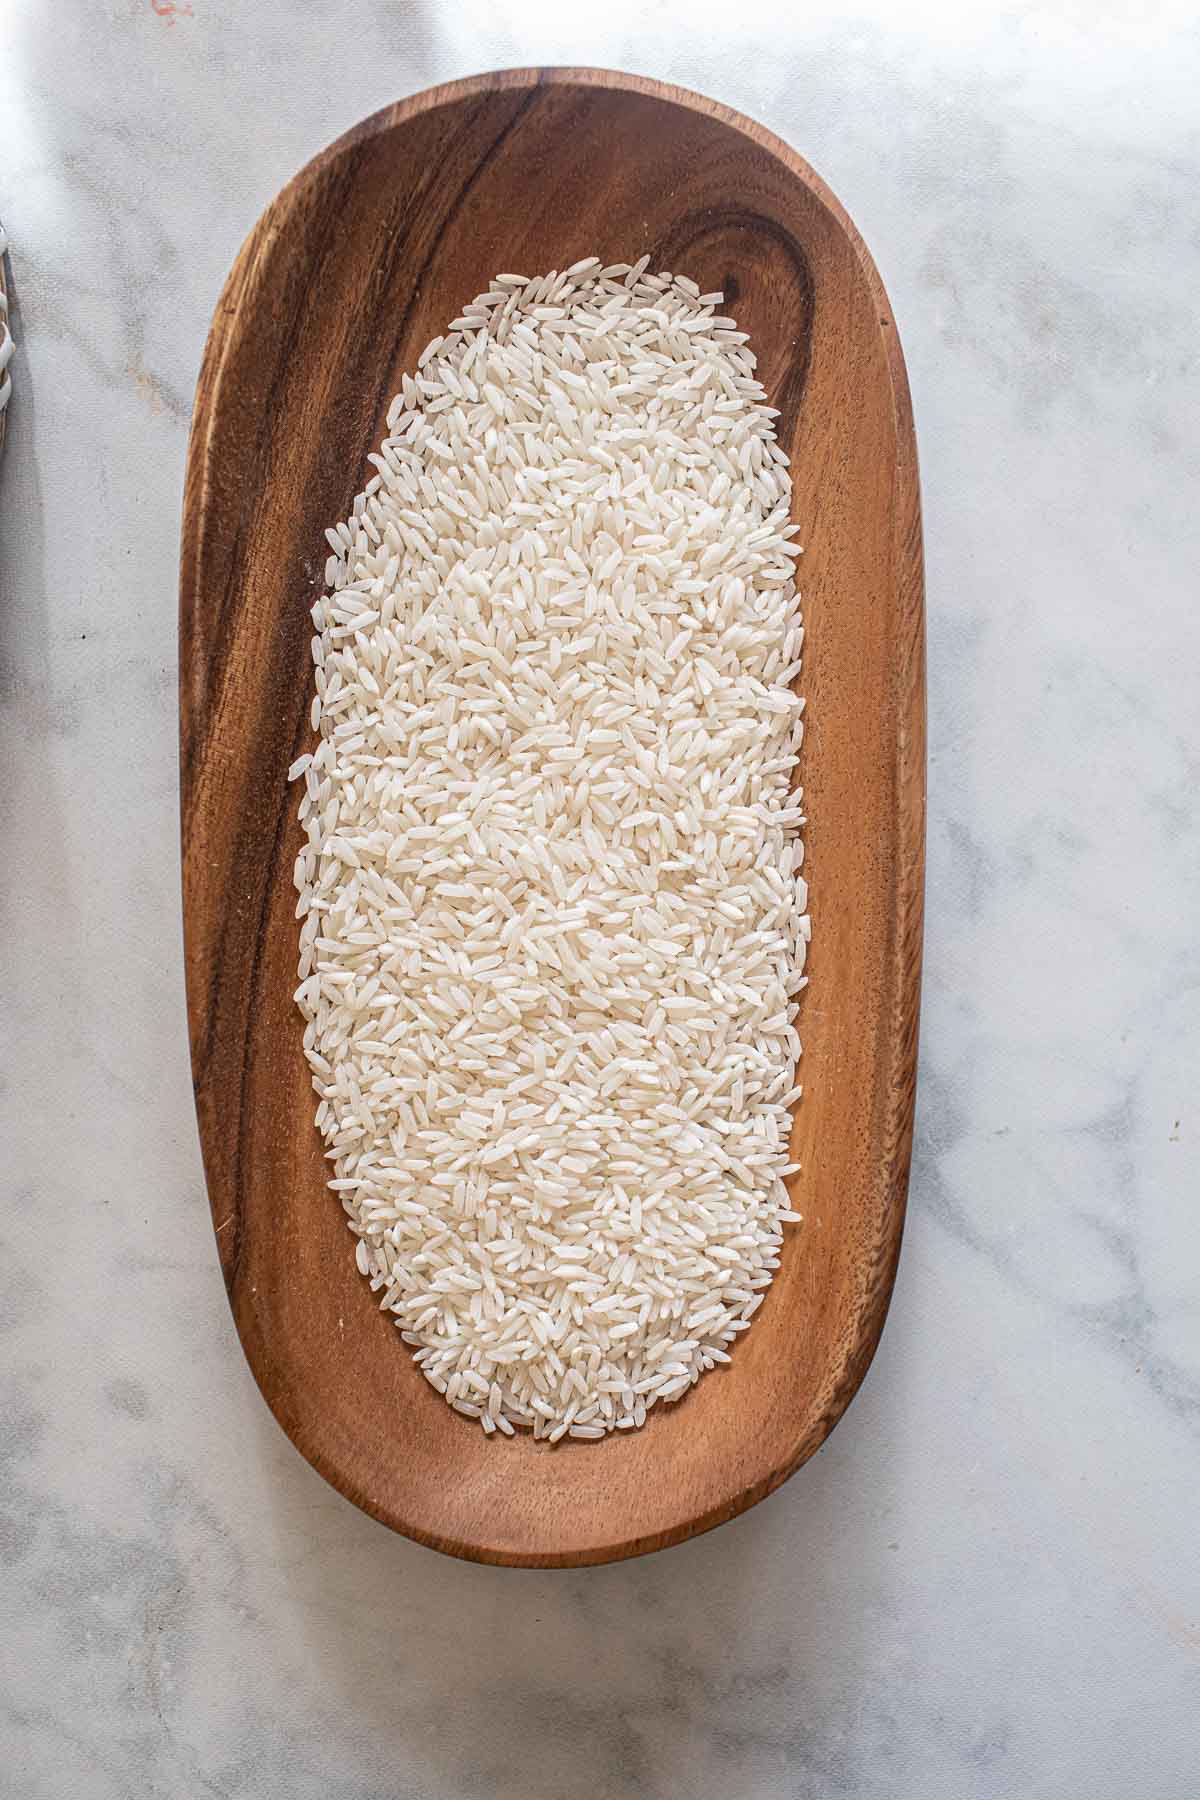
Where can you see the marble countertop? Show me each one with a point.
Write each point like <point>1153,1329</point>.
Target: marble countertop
<point>987,1583</point>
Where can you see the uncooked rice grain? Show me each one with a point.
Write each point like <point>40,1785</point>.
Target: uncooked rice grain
<point>552,920</point>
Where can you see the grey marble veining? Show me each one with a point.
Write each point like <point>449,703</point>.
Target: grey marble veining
<point>987,1584</point>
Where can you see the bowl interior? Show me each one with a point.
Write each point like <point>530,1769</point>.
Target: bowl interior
<point>367,255</point>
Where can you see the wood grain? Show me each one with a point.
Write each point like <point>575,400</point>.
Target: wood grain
<point>367,254</point>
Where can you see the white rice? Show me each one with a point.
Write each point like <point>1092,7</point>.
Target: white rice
<point>553,925</point>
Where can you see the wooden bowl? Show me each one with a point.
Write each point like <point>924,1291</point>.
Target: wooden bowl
<point>363,258</point>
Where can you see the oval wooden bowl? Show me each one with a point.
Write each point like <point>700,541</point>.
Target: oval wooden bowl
<point>366,255</point>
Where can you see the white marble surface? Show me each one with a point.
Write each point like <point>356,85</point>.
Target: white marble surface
<point>988,1583</point>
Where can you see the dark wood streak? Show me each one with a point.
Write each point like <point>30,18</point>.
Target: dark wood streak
<point>386,388</point>
<point>367,254</point>
<point>219,638</point>
<point>304,284</point>
<point>695,232</point>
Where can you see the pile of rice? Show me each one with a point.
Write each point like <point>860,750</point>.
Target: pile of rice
<point>553,925</point>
